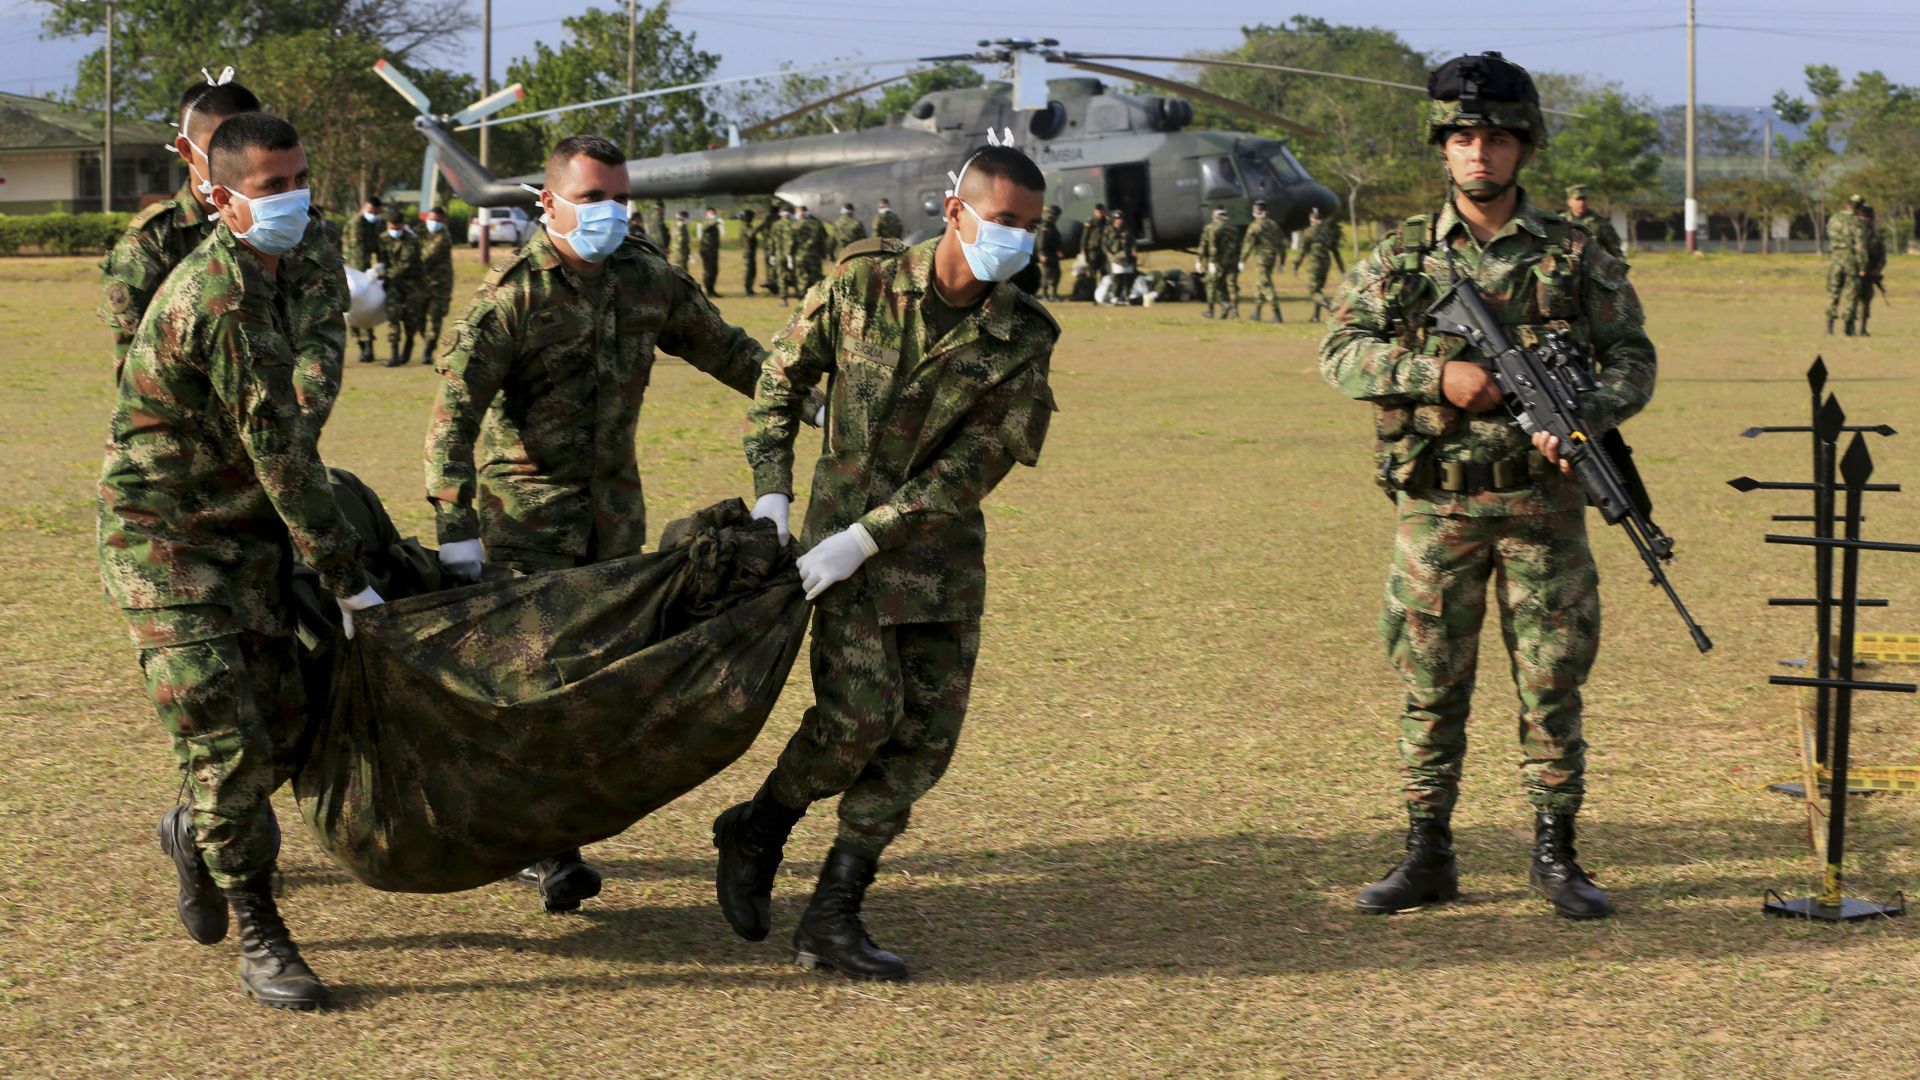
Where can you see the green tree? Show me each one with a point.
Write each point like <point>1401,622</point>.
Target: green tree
<point>1810,160</point>
<point>1610,147</point>
<point>591,63</point>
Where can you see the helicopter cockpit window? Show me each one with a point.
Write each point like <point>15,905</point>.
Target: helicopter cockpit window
<point>1048,123</point>
<point>1286,165</point>
<point>1219,181</point>
<point>1259,176</point>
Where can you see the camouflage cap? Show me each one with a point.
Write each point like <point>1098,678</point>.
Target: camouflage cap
<point>1856,200</point>
<point>1484,90</point>
<point>1577,191</point>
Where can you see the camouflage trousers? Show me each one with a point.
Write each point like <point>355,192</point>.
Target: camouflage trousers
<point>888,705</point>
<point>236,710</point>
<point>750,264</point>
<point>1544,579</point>
<point>1318,266</point>
<point>1859,300</point>
<point>435,314</point>
<point>1840,279</point>
<point>807,274</point>
<point>404,316</point>
<point>710,273</point>
<point>1050,279</point>
<point>1263,276</point>
<point>1223,287</point>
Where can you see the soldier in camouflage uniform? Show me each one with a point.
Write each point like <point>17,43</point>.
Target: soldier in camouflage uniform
<point>753,233</point>
<point>887,224</point>
<point>212,480</point>
<point>847,230</point>
<point>1119,256</point>
<point>657,227</point>
<point>1319,250</point>
<point>1593,221</point>
<point>680,233</point>
<point>780,256</point>
<point>711,233</point>
<point>436,261</point>
<point>937,379</point>
<point>808,238</point>
<point>1046,252</point>
<point>530,451</point>
<point>405,277</point>
<point>1263,244</point>
<point>1871,244</point>
<point>1093,252</point>
<point>160,236</point>
<point>1844,258</point>
<point>1476,503</point>
<point>361,244</point>
<point>1220,261</point>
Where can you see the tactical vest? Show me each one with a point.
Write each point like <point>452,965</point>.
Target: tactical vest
<point>1407,432</point>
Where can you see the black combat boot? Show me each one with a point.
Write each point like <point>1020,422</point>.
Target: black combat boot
<point>366,350</point>
<point>830,934</point>
<point>564,879</point>
<point>426,351</point>
<point>1863,326</point>
<point>1209,311</point>
<point>271,970</point>
<point>1849,328</point>
<point>202,906</point>
<point>406,351</point>
<point>751,839</point>
<point>1426,875</point>
<point>1258,307</point>
<point>1555,871</point>
<point>1315,317</point>
<point>1829,326</point>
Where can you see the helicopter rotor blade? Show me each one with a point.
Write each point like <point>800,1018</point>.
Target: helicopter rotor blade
<point>1193,91</point>
<point>1207,62</point>
<point>665,90</point>
<point>768,125</point>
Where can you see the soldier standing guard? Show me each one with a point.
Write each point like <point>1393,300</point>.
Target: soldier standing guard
<point>161,236</point>
<point>1046,251</point>
<point>711,233</point>
<point>780,255</point>
<point>543,384</point>
<point>1593,221</point>
<point>752,234</point>
<point>1844,257</point>
<point>1263,245</point>
<point>1093,252</point>
<point>657,227</point>
<point>886,223</point>
<point>1475,500</point>
<point>1320,249</point>
<point>212,479</point>
<point>1220,261</point>
<point>1872,262</point>
<point>1118,255</point>
<point>937,376</point>
<point>808,238</point>
<point>436,262</point>
<point>681,233</point>
<point>405,276</point>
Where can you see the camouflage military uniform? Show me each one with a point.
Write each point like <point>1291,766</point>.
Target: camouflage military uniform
<point>710,256</point>
<point>405,276</point>
<point>1046,252</point>
<point>1093,256</point>
<point>1319,250</point>
<point>1475,502</point>
<point>888,226</point>
<point>557,365</point>
<point>808,238</point>
<point>847,231</point>
<point>161,236</point>
<point>681,253</point>
<point>1220,251</point>
<point>918,432</point>
<point>780,258</point>
<point>1602,229</point>
<point>436,261</point>
<point>752,237</point>
<point>212,480</point>
<point>1871,244</point>
<point>1263,245</point>
<point>1117,251</point>
<point>362,241</point>
<point>1843,262</point>
<point>657,228</point>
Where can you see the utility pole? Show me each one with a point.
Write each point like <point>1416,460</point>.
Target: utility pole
<point>486,87</point>
<point>106,149</point>
<point>1693,204</point>
<point>632,116</point>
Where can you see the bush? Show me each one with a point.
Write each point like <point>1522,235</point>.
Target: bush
<point>61,234</point>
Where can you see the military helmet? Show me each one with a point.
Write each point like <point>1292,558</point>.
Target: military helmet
<point>1053,211</point>
<point>1484,90</point>
<point>1577,191</point>
<point>1855,200</point>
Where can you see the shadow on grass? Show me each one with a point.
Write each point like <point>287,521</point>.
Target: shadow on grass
<point>1235,905</point>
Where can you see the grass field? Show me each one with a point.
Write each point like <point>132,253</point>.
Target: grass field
<point>1177,769</point>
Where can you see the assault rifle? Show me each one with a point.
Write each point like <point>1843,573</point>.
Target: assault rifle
<point>1541,393</point>
<point>1876,281</point>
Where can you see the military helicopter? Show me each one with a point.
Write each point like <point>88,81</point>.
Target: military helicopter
<point>1131,152</point>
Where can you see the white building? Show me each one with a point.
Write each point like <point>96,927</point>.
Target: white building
<point>50,158</point>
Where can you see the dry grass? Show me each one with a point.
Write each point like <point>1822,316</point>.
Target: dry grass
<point>1178,766</point>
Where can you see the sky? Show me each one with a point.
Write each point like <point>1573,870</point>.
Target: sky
<point>1747,48</point>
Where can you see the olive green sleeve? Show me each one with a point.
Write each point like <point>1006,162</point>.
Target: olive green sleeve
<point>696,332</point>
<point>801,354</point>
<point>1623,355</point>
<point>130,274</point>
<point>471,373</point>
<point>1359,355</point>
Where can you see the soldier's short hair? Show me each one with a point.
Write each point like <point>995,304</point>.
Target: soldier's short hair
<point>848,207</point>
<point>573,146</point>
<point>396,216</point>
<point>1004,163</point>
<point>431,210</point>
<point>1259,204</point>
<point>1100,206</point>
<point>239,137</point>
<point>203,102</point>
<point>375,202</point>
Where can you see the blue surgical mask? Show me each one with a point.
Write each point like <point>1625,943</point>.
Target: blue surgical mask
<point>396,233</point>
<point>435,226</point>
<point>372,219</point>
<point>999,251</point>
<point>279,221</point>
<point>600,230</point>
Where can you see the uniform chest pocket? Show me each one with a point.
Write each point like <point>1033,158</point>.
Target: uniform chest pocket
<point>1556,287</point>
<point>636,334</point>
<point>557,343</point>
<point>863,382</point>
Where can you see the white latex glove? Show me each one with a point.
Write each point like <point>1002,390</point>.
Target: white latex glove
<point>820,418</point>
<point>463,559</point>
<point>774,507</point>
<point>1199,267</point>
<point>359,601</point>
<point>1242,268</point>
<point>834,559</point>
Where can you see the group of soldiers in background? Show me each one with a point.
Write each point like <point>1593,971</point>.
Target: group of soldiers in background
<point>1857,257</point>
<point>416,270</point>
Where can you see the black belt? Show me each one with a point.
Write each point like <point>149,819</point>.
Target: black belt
<point>1472,477</point>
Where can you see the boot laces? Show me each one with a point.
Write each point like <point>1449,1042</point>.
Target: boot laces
<point>263,929</point>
